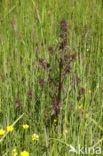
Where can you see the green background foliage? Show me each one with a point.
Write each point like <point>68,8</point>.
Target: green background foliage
<point>27,30</point>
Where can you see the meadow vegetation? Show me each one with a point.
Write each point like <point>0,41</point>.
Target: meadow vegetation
<point>51,76</point>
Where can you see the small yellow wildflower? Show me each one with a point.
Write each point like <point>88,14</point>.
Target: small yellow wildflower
<point>10,128</point>
<point>55,120</point>
<point>35,137</point>
<point>65,131</point>
<point>14,152</point>
<point>25,126</point>
<point>2,132</point>
<point>24,153</point>
<point>89,91</point>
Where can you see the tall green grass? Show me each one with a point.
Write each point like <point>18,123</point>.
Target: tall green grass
<point>27,30</point>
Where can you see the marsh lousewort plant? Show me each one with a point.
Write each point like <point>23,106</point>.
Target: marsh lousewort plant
<point>57,69</point>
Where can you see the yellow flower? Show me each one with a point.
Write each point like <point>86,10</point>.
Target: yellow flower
<point>14,152</point>
<point>10,128</point>
<point>24,153</point>
<point>55,120</point>
<point>25,126</point>
<point>2,132</point>
<point>35,137</point>
<point>65,131</point>
<point>89,91</point>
